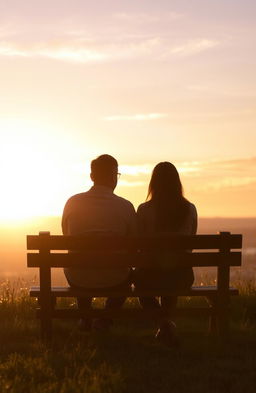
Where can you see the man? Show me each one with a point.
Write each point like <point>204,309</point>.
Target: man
<point>99,210</point>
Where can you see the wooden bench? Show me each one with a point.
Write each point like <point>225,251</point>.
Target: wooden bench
<point>139,251</point>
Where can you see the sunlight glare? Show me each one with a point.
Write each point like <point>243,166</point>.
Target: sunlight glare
<point>31,172</point>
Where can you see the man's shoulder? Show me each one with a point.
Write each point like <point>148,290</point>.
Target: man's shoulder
<point>123,202</point>
<point>77,197</point>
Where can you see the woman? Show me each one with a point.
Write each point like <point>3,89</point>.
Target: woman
<point>166,210</point>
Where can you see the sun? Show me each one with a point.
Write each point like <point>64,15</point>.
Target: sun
<point>30,175</point>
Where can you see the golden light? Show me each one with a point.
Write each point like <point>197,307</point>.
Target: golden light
<point>30,172</point>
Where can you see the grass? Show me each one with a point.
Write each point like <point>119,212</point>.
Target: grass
<point>126,359</point>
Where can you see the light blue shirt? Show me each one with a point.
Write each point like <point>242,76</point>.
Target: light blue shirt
<point>98,210</point>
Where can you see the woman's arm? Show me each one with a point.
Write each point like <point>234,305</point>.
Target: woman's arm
<point>140,219</point>
<point>194,220</point>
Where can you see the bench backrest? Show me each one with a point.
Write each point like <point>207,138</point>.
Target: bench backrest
<point>163,250</point>
<point>135,251</point>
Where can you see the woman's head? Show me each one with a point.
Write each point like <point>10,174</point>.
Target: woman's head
<point>166,194</point>
<point>165,182</point>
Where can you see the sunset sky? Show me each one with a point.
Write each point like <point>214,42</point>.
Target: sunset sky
<point>143,80</point>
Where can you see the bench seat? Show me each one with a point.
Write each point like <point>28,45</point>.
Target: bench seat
<point>137,313</point>
<point>207,291</point>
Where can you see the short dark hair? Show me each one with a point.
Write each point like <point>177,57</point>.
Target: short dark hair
<point>103,167</point>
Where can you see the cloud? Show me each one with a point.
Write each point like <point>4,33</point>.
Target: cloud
<point>128,183</point>
<point>231,182</point>
<point>82,49</point>
<point>58,52</point>
<point>197,176</point>
<point>235,165</point>
<point>194,47</point>
<point>146,169</point>
<point>79,55</point>
<point>136,170</point>
<point>78,46</point>
<point>12,51</point>
<point>214,175</point>
<point>137,117</point>
<point>139,175</point>
<point>217,175</point>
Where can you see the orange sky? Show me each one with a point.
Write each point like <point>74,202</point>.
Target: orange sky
<point>145,81</point>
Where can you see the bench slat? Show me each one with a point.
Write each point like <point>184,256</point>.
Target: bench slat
<point>196,259</point>
<point>71,292</point>
<point>132,243</point>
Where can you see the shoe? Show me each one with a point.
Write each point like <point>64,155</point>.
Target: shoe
<point>85,324</point>
<point>167,335</point>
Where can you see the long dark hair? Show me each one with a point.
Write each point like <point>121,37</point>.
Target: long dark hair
<point>165,192</point>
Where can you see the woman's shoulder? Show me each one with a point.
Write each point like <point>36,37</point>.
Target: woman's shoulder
<point>146,218</point>
<point>192,207</point>
<point>144,206</point>
<point>192,212</point>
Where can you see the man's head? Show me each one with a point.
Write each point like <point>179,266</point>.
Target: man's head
<point>104,171</point>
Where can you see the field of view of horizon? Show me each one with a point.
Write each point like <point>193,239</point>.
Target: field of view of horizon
<point>144,81</point>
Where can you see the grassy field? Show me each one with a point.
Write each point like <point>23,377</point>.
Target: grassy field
<point>126,359</point>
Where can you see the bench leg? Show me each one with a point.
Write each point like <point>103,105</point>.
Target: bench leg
<point>213,325</point>
<point>223,321</point>
<point>219,317</point>
<point>46,328</point>
<point>46,319</point>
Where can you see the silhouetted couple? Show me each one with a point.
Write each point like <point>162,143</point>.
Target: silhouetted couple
<point>100,210</point>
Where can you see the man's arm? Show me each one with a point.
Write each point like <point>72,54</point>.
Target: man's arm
<point>132,222</point>
<point>64,221</point>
